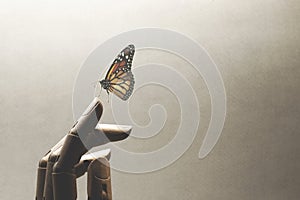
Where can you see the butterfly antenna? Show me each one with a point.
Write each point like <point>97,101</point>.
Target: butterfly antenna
<point>100,89</point>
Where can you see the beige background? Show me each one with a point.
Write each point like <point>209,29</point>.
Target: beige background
<point>255,45</point>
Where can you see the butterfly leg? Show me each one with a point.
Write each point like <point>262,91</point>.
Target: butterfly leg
<point>107,96</point>
<point>100,89</point>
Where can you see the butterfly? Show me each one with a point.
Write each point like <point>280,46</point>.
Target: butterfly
<point>119,78</point>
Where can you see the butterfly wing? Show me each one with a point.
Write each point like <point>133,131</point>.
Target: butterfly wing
<point>122,61</point>
<point>122,85</point>
<point>120,77</point>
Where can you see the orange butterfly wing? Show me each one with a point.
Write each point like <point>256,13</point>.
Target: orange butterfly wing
<point>122,85</point>
<point>123,61</point>
<point>119,76</point>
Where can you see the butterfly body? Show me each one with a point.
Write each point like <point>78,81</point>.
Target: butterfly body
<point>105,84</point>
<point>119,78</point>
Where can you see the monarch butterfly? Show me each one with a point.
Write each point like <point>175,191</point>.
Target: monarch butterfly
<point>119,78</point>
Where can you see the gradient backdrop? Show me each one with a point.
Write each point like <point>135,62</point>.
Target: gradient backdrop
<point>255,45</point>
